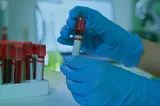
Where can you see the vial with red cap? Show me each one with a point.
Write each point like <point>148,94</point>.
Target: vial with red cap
<point>28,50</point>
<point>1,63</point>
<point>18,56</point>
<point>79,29</point>
<point>7,61</point>
<point>40,51</point>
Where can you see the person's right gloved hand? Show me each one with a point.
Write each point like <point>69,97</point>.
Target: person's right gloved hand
<point>98,83</point>
<point>102,37</point>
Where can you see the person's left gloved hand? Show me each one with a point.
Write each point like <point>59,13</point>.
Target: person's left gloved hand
<point>97,83</point>
<point>102,37</point>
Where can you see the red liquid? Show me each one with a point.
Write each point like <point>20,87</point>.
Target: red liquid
<point>18,71</point>
<point>27,62</point>
<point>80,24</point>
<point>7,70</point>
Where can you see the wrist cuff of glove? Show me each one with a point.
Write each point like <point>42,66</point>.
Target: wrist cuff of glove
<point>133,59</point>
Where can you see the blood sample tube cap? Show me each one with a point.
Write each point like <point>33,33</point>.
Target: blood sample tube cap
<point>35,46</point>
<point>28,48</point>
<point>80,23</point>
<point>8,49</point>
<point>18,51</point>
<point>40,50</point>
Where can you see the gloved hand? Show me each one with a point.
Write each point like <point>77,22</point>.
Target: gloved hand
<point>97,83</point>
<point>103,38</point>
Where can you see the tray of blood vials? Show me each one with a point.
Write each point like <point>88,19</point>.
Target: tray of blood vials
<point>22,70</point>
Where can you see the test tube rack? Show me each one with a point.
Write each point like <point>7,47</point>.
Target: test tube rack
<point>12,85</point>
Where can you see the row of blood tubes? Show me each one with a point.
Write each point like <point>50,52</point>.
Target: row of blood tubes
<point>21,61</point>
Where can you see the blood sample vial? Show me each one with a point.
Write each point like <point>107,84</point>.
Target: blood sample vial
<point>7,61</point>
<point>18,55</point>
<point>79,29</point>
<point>41,52</point>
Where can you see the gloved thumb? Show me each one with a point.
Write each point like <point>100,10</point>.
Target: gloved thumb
<point>63,41</point>
<point>78,62</point>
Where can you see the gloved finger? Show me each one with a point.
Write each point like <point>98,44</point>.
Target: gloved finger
<point>66,32</point>
<point>78,62</point>
<point>74,74</point>
<point>79,99</point>
<point>65,41</point>
<point>88,100</point>
<point>91,26</point>
<point>109,50</point>
<point>71,23</point>
<point>82,89</point>
<point>88,43</point>
<point>79,11</point>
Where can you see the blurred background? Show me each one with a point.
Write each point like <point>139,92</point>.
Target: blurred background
<point>40,21</point>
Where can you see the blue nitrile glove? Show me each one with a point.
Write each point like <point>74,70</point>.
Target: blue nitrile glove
<point>103,38</point>
<point>97,83</point>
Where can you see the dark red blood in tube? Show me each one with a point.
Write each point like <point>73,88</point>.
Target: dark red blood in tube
<point>80,25</point>
<point>1,62</point>
<point>7,61</point>
<point>8,49</point>
<point>18,71</point>
<point>1,50</point>
<point>35,46</point>
<point>27,66</point>
<point>18,54</point>
<point>28,50</point>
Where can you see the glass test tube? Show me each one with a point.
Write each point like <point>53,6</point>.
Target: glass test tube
<point>18,54</point>
<point>7,66</point>
<point>79,29</point>
<point>1,63</point>
<point>41,52</point>
<point>28,50</point>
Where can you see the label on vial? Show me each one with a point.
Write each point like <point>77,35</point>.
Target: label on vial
<point>1,78</point>
<point>39,69</point>
<point>77,45</point>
